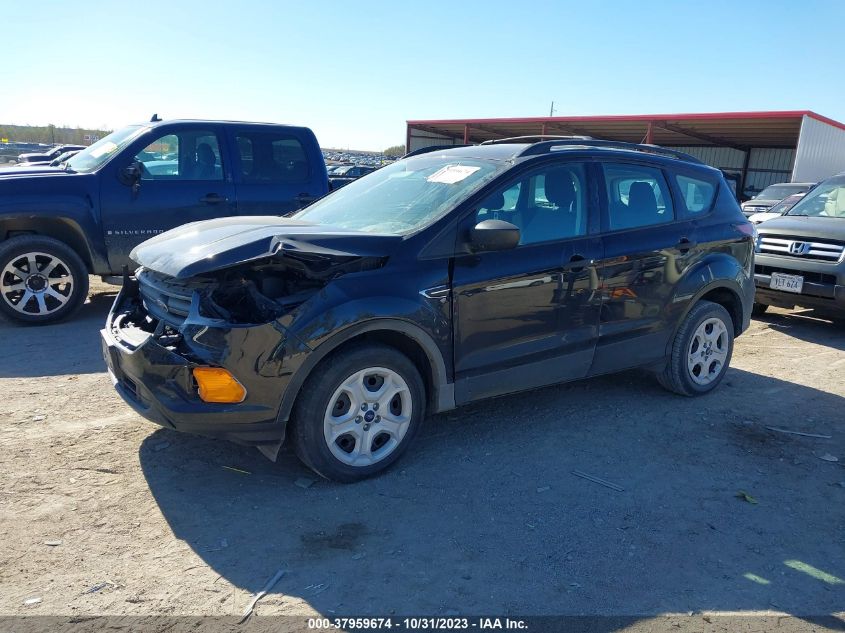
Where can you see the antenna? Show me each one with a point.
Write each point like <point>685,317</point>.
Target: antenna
<point>552,109</point>
<point>155,118</point>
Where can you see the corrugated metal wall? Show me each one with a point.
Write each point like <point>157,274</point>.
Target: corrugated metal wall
<point>821,151</point>
<point>422,138</point>
<point>726,158</point>
<point>766,165</point>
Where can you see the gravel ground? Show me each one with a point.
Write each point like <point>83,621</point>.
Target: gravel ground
<point>102,512</point>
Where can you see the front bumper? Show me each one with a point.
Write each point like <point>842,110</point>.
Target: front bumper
<point>153,373</point>
<point>823,288</point>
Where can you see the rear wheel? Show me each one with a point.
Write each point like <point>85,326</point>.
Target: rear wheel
<point>358,412</point>
<point>701,351</point>
<point>42,280</point>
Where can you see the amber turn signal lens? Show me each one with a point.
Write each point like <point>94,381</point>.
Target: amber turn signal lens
<point>218,385</point>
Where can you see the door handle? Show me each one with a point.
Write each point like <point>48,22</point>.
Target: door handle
<point>684,245</point>
<point>213,198</point>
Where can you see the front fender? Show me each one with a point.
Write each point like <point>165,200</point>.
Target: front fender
<point>62,206</point>
<point>424,322</point>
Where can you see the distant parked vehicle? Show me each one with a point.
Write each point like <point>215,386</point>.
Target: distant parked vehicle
<point>56,162</point>
<point>778,210</point>
<point>800,257</point>
<point>346,174</point>
<point>773,194</point>
<point>48,155</point>
<point>9,152</point>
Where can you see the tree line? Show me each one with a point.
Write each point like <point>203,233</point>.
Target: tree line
<point>48,134</point>
<point>395,150</point>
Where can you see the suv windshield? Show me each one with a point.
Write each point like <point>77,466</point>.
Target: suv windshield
<point>779,192</point>
<point>97,154</point>
<point>404,196</point>
<point>827,200</point>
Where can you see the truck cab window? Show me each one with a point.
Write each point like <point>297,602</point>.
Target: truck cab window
<point>191,155</point>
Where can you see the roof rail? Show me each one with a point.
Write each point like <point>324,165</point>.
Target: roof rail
<point>548,146</point>
<point>432,148</point>
<point>533,138</point>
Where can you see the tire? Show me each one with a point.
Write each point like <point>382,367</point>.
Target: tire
<point>759,309</point>
<point>703,343</point>
<point>335,389</point>
<point>39,298</point>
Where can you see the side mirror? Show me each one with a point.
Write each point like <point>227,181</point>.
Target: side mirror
<point>494,235</point>
<point>131,175</point>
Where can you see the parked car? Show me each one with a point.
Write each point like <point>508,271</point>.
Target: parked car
<point>48,155</point>
<point>433,282</point>
<point>777,210</point>
<point>56,162</point>
<point>57,226</point>
<point>773,194</point>
<point>347,173</point>
<point>9,152</point>
<point>801,255</point>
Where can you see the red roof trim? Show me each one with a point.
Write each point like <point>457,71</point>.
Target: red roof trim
<point>638,117</point>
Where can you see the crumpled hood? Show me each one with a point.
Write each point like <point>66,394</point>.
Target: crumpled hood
<point>210,245</point>
<point>820,228</point>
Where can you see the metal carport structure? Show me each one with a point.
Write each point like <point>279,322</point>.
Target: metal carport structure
<point>759,148</point>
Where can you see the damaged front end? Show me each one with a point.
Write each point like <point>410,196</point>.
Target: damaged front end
<point>236,318</point>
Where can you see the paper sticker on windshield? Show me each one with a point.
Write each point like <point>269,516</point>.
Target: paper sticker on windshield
<point>450,174</point>
<point>105,148</point>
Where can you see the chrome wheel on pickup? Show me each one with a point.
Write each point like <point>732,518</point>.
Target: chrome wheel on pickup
<point>358,412</point>
<point>41,279</point>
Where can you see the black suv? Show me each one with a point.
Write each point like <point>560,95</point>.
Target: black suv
<point>444,278</point>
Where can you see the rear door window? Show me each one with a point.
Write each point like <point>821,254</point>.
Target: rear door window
<point>271,158</point>
<point>637,195</point>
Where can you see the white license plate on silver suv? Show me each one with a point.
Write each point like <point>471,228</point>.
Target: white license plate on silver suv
<point>787,283</point>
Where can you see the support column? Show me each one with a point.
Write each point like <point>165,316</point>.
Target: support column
<point>466,134</point>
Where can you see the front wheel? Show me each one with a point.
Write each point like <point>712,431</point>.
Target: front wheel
<point>358,412</point>
<point>42,280</point>
<point>701,351</point>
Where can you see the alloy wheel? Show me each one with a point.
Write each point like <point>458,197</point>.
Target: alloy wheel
<point>708,351</point>
<point>36,283</point>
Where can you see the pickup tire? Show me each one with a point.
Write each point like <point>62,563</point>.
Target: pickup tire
<point>701,351</point>
<point>42,280</point>
<point>358,412</point>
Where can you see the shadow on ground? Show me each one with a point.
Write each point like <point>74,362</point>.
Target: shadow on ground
<point>68,347</point>
<point>808,326</point>
<point>484,514</point>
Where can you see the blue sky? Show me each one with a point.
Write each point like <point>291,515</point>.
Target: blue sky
<point>354,71</point>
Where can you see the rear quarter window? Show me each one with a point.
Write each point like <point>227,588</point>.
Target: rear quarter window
<point>696,195</point>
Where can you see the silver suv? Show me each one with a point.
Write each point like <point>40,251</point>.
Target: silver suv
<point>800,257</point>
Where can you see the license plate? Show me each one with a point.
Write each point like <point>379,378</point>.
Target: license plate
<point>787,283</point>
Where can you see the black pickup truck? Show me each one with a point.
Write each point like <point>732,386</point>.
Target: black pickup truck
<point>57,226</point>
